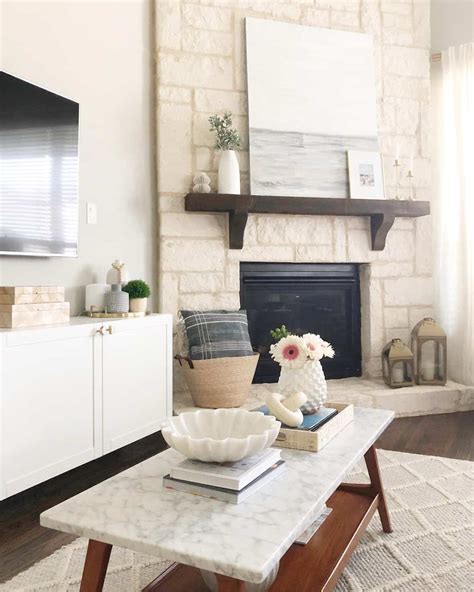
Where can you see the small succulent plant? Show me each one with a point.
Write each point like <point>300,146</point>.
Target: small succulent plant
<point>279,333</point>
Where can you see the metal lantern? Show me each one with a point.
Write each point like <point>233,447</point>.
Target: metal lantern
<point>428,341</point>
<point>398,364</point>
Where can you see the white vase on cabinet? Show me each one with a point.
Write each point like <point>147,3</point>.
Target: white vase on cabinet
<point>228,179</point>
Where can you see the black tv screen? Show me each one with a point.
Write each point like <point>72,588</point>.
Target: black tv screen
<point>39,161</point>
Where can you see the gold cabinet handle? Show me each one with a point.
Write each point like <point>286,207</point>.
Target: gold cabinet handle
<point>109,330</point>
<point>100,331</point>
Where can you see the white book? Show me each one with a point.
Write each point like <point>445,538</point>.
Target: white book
<point>307,534</point>
<point>230,475</point>
<point>222,494</point>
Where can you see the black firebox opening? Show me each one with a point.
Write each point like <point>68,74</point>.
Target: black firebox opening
<point>308,298</point>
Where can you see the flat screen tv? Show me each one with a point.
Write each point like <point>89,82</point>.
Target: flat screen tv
<point>38,171</point>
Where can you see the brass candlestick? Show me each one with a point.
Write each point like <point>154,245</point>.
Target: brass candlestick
<point>397,166</point>
<point>410,177</point>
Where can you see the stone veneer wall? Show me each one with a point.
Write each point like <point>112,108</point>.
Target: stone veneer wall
<point>201,70</point>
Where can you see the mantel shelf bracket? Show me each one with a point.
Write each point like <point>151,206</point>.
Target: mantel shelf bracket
<point>238,221</point>
<point>380,224</point>
<point>382,213</point>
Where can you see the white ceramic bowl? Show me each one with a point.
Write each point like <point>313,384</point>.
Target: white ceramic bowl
<point>220,435</point>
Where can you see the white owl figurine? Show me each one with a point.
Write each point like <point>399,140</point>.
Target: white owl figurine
<point>202,183</point>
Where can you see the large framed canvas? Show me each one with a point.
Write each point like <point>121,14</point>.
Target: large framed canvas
<point>311,94</point>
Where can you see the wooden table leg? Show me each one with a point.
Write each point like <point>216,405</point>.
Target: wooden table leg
<point>376,483</point>
<point>226,584</point>
<point>95,566</point>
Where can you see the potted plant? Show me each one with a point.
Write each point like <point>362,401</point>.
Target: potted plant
<point>227,141</point>
<point>301,370</point>
<point>138,291</point>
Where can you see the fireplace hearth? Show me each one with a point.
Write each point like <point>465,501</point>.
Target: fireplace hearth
<point>309,297</point>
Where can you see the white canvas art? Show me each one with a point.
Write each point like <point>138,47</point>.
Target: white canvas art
<point>311,95</point>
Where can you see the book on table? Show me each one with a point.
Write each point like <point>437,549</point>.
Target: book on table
<point>310,422</point>
<point>229,475</point>
<point>307,535</point>
<point>233,496</point>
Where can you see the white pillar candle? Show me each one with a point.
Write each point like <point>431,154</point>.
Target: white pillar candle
<point>95,297</point>
<point>397,374</point>
<point>427,370</point>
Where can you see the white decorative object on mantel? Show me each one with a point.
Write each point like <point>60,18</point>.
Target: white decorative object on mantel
<point>202,183</point>
<point>220,435</point>
<point>228,179</point>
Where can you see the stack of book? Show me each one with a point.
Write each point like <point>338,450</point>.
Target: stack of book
<point>28,306</point>
<point>227,482</point>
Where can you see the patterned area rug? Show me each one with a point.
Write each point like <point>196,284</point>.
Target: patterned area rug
<point>431,501</point>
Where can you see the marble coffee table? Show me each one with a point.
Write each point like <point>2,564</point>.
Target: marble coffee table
<point>239,543</point>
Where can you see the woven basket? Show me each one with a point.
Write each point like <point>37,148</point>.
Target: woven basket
<point>220,382</point>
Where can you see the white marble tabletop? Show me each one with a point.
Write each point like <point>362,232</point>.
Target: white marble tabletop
<point>244,541</point>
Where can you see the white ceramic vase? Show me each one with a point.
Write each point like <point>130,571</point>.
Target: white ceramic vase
<point>228,179</point>
<point>310,380</point>
<point>138,304</point>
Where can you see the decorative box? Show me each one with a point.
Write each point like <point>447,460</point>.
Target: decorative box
<point>31,294</point>
<point>315,441</point>
<point>30,315</point>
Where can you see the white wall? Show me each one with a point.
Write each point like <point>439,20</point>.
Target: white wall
<point>452,23</point>
<point>101,55</point>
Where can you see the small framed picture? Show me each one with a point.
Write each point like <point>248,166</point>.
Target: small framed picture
<point>365,175</point>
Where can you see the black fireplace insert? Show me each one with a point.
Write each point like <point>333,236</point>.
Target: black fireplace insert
<point>308,298</point>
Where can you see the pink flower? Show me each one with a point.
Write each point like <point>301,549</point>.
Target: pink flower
<point>290,352</point>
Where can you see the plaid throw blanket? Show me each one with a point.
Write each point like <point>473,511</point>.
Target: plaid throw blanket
<point>217,333</point>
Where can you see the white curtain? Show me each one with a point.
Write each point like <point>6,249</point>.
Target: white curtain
<point>454,210</point>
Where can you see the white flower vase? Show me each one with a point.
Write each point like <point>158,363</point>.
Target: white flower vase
<point>310,380</point>
<point>228,179</point>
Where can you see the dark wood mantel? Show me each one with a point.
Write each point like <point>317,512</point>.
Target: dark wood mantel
<point>382,212</point>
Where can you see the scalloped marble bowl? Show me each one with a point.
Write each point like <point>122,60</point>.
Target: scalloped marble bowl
<point>220,435</point>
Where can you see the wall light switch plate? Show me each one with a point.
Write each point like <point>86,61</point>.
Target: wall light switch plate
<point>91,213</point>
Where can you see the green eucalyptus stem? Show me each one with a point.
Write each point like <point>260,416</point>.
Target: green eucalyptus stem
<point>227,137</point>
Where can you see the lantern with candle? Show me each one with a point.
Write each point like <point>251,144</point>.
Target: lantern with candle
<point>397,364</point>
<point>428,341</point>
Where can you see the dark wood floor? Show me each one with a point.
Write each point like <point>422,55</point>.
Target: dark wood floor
<point>23,541</point>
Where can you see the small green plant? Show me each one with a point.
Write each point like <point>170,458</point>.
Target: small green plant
<point>137,289</point>
<point>227,138</point>
<point>279,333</point>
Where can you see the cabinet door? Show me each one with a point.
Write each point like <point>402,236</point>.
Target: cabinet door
<point>47,405</point>
<point>135,380</point>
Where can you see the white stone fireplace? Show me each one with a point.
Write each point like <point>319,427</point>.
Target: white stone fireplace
<point>201,71</point>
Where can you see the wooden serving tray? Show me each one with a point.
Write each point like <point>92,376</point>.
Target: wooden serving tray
<point>314,441</point>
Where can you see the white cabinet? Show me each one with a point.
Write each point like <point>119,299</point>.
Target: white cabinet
<point>134,366</point>
<point>70,393</point>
